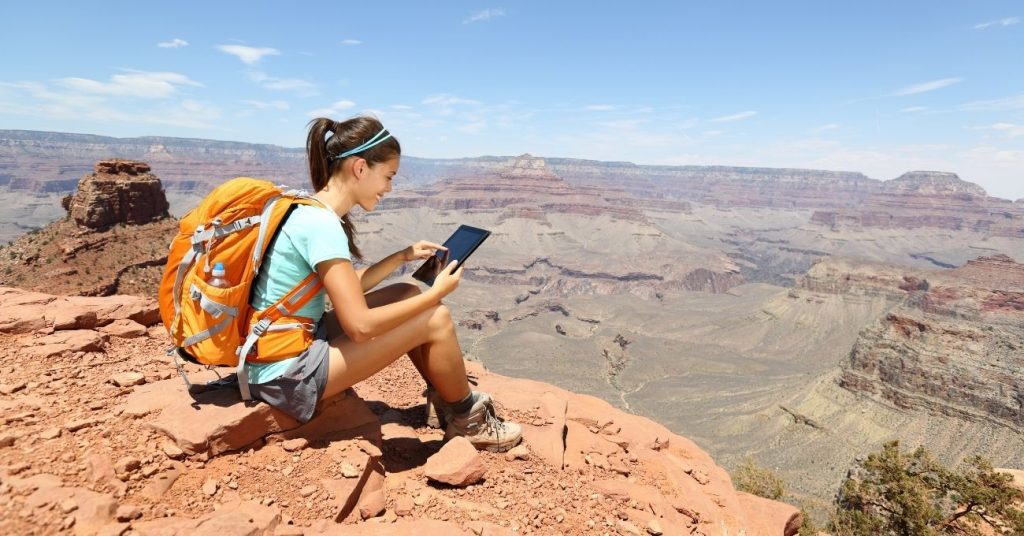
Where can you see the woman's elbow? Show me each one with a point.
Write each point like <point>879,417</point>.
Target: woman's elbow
<point>358,333</point>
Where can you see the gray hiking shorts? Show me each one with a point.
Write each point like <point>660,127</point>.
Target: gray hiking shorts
<point>302,385</point>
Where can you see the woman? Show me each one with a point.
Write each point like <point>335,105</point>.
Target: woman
<point>353,163</point>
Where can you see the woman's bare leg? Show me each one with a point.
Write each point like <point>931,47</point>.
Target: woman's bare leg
<point>429,339</point>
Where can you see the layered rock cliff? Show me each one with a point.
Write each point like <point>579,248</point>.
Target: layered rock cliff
<point>929,199</point>
<point>101,437</point>
<point>953,342</point>
<point>524,187</point>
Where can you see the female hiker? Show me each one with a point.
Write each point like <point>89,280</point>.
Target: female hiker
<point>353,163</point>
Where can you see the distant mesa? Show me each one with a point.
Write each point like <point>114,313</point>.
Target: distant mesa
<point>933,183</point>
<point>119,191</point>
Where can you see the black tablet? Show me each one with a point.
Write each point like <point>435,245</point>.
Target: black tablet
<point>461,244</point>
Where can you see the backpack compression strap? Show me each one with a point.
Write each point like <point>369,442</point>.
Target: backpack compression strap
<point>286,306</point>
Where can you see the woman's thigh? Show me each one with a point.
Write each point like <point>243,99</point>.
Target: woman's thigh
<point>375,298</point>
<point>352,362</point>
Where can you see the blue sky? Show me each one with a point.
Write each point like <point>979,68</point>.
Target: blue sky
<point>876,87</point>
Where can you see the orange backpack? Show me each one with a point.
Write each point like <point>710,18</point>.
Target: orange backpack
<point>210,325</point>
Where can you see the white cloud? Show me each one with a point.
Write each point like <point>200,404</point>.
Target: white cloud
<point>485,15</point>
<point>173,43</point>
<point>914,109</point>
<point>401,107</point>
<point>266,105</point>
<point>925,87</point>
<point>1015,102</point>
<point>823,128</point>
<point>296,85</point>
<point>301,88</point>
<point>734,117</point>
<point>444,104</point>
<point>248,55</point>
<point>599,107</point>
<point>351,42</point>
<point>472,128</point>
<point>712,133</point>
<point>1009,128</point>
<point>336,109</point>
<point>1008,21</point>
<point>137,84</point>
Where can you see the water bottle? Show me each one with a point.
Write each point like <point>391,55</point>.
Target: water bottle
<point>218,280</point>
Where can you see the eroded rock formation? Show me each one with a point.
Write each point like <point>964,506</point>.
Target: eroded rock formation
<point>952,343</point>
<point>119,191</point>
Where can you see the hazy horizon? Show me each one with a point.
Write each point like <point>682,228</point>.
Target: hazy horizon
<point>874,87</point>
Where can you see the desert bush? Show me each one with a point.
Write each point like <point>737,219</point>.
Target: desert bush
<point>896,492</point>
<point>754,479</point>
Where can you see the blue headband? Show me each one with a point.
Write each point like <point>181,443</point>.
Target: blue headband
<point>369,143</point>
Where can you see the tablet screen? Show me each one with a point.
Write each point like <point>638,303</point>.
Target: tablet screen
<point>461,244</point>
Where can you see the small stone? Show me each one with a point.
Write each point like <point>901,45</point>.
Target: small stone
<point>293,445</point>
<point>128,512</point>
<point>287,471</point>
<point>172,451</point>
<point>50,433</point>
<point>307,491</point>
<point>127,465</point>
<point>77,425</point>
<point>653,527</point>
<point>457,463</point>
<point>403,506</point>
<point>210,487</point>
<point>233,484</point>
<point>68,505</point>
<point>390,516</point>
<point>518,452</point>
<point>349,471</point>
<point>6,439</point>
<point>128,379</point>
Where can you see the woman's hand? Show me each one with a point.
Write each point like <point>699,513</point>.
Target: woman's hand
<point>421,250</point>
<point>447,281</point>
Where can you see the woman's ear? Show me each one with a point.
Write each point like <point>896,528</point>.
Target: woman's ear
<point>359,167</point>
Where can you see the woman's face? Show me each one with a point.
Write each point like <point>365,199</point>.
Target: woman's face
<point>376,181</point>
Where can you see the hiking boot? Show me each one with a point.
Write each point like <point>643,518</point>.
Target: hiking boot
<point>436,414</point>
<point>482,427</point>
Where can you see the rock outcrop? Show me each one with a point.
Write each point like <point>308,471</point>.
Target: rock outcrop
<point>119,191</point>
<point>114,239</point>
<point>85,452</point>
<point>952,343</point>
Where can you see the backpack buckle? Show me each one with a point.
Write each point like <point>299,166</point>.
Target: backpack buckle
<point>261,327</point>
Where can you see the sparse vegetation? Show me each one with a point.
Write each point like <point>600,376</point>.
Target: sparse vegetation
<point>895,492</point>
<point>756,480</point>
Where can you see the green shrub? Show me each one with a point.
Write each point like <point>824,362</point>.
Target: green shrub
<point>895,492</point>
<point>751,478</point>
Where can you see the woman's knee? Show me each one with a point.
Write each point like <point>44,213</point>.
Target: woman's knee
<point>440,318</point>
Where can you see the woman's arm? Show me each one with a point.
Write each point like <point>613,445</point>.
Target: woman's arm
<point>362,323</point>
<point>372,276</point>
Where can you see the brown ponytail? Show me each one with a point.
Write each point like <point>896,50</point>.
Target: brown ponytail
<point>328,138</point>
